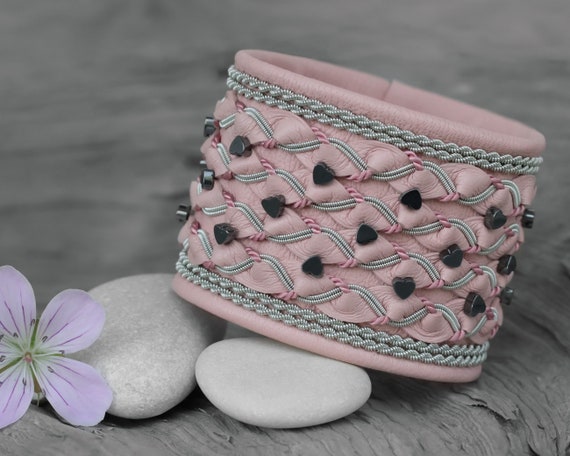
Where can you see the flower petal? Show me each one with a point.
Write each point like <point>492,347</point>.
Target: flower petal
<point>17,304</point>
<point>7,353</point>
<point>75,390</point>
<point>71,322</point>
<point>16,390</point>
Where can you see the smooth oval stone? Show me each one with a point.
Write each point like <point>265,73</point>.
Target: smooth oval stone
<point>265,383</point>
<point>149,345</point>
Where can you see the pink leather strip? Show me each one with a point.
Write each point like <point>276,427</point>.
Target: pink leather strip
<point>394,103</point>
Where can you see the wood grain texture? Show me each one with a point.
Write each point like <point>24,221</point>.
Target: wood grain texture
<point>101,105</point>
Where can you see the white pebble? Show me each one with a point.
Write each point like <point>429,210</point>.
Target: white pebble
<point>265,383</point>
<point>149,345</point>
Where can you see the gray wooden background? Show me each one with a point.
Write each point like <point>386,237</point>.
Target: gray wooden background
<point>101,105</point>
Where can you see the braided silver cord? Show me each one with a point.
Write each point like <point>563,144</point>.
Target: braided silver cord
<point>318,323</point>
<point>360,164</point>
<point>311,109</point>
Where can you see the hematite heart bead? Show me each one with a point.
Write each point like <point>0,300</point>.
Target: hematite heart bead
<point>313,266</point>
<point>207,179</point>
<point>474,304</point>
<point>507,264</point>
<point>404,286</point>
<point>506,296</point>
<point>241,147</point>
<point>274,205</point>
<point>452,256</point>
<point>366,234</point>
<point>528,219</point>
<point>494,218</point>
<point>183,212</point>
<point>412,198</point>
<point>224,233</point>
<point>209,126</point>
<point>322,174</point>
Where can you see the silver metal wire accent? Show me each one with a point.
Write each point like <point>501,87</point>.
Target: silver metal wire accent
<point>343,332</point>
<point>312,109</point>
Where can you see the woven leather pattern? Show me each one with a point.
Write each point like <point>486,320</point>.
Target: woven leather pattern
<point>322,220</point>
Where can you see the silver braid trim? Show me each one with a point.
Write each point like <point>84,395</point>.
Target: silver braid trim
<point>311,109</point>
<point>323,325</point>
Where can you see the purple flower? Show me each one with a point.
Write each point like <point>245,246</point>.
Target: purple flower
<point>32,353</point>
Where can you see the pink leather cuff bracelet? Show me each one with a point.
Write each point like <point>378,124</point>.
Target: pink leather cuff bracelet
<point>361,219</point>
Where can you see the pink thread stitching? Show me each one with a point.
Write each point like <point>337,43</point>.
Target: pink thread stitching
<point>443,220</point>
<point>270,143</point>
<point>253,254</point>
<point>209,264</point>
<point>315,227</point>
<point>395,228</point>
<point>474,249</point>
<point>362,176</point>
<point>349,263</point>
<point>340,284</point>
<point>498,183</point>
<point>417,161</point>
<point>477,269</point>
<point>439,283</point>
<point>267,166</point>
<point>228,198</point>
<point>380,320</point>
<point>287,295</point>
<point>320,135</point>
<point>518,210</point>
<point>400,251</point>
<point>258,237</point>
<point>450,197</point>
<point>355,194</point>
<point>303,202</point>
<point>458,335</point>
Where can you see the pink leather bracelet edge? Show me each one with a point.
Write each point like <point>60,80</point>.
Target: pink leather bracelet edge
<point>329,348</point>
<point>485,130</point>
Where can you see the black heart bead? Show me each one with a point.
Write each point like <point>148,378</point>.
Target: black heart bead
<point>322,174</point>
<point>366,234</point>
<point>452,256</point>
<point>507,264</point>
<point>241,147</point>
<point>183,212</point>
<point>404,286</point>
<point>494,218</point>
<point>474,304</point>
<point>506,296</point>
<point>274,205</point>
<point>209,126</point>
<point>207,179</point>
<point>224,233</point>
<point>528,219</point>
<point>412,198</point>
<point>313,266</point>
